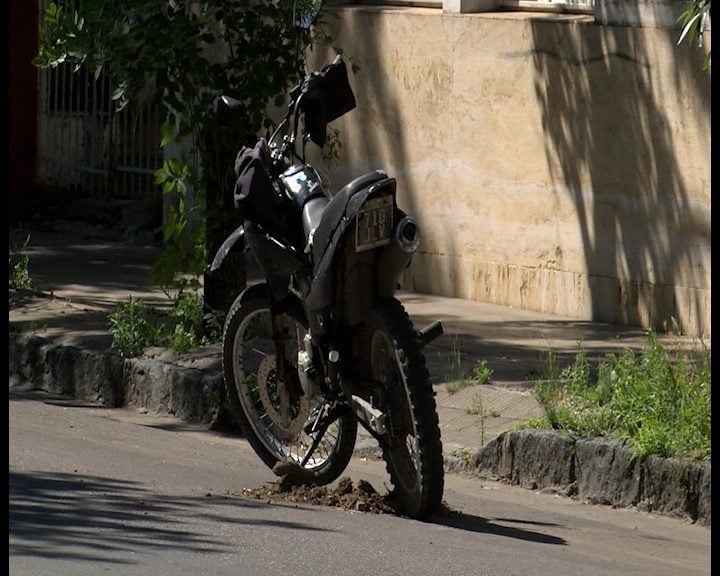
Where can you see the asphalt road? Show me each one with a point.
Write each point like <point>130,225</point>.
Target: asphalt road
<point>102,491</point>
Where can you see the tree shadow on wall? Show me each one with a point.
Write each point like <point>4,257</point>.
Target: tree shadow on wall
<point>614,148</point>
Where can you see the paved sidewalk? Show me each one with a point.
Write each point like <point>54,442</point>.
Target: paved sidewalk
<point>83,276</point>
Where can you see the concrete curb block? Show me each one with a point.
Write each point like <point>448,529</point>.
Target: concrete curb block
<point>155,385</point>
<point>193,395</point>
<point>598,471</point>
<point>67,370</point>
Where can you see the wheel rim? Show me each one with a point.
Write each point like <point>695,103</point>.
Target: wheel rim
<point>403,447</point>
<point>254,369</point>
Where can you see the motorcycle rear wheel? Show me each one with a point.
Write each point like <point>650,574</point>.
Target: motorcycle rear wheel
<point>413,448</point>
<point>249,368</point>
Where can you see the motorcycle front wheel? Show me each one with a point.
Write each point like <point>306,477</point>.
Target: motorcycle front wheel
<point>412,448</point>
<point>250,372</point>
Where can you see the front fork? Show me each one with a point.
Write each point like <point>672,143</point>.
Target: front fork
<point>278,334</point>
<point>371,418</point>
<point>289,388</point>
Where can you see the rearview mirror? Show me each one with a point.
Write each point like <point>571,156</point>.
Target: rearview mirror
<point>306,12</point>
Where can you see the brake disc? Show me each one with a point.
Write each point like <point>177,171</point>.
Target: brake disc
<point>268,391</point>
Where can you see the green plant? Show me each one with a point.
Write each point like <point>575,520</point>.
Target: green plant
<point>482,372</point>
<point>185,322</point>
<point>456,385</point>
<point>181,327</point>
<point>481,375</point>
<point>182,56</point>
<point>551,367</point>
<point>213,323</point>
<point>19,275</point>
<point>659,403</point>
<point>475,408</point>
<point>131,327</point>
<point>693,20</point>
<point>186,325</point>
<point>457,374</point>
<point>457,369</point>
<point>462,453</point>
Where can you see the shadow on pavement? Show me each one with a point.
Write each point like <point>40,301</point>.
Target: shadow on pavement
<point>473,523</point>
<point>72,516</point>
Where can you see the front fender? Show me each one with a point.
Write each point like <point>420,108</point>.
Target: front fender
<point>290,303</point>
<point>254,291</point>
<point>236,241</point>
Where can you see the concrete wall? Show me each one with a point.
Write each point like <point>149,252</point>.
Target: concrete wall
<point>553,164</point>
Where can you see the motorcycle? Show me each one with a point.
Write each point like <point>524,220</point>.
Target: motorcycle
<point>323,344</point>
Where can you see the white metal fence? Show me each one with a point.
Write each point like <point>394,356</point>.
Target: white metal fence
<point>85,143</point>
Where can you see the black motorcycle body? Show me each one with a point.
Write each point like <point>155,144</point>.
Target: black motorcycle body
<point>323,343</point>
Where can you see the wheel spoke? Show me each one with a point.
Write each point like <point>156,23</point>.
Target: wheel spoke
<point>256,382</point>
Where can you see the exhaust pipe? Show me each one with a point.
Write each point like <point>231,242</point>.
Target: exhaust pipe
<point>407,235</point>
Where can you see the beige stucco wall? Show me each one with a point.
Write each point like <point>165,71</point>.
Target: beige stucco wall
<point>553,164</point>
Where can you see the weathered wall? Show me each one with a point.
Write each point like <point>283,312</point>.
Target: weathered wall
<point>553,164</point>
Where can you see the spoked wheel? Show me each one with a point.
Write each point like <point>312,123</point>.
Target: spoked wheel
<point>412,449</point>
<point>277,424</point>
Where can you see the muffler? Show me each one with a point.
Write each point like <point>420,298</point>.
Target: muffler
<point>407,235</point>
<point>430,333</point>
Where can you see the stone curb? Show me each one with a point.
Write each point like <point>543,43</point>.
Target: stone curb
<point>190,387</point>
<point>158,382</point>
<point>598,471</point>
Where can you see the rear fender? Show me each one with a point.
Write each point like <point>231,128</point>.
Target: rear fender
<point>323,290</point>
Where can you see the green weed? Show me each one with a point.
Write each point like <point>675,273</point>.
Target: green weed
<point>182,327</point>
<point>476,405</point>
<point>457,385</point>
<point>475,408</point>
<point>462,453</point>
<point>482,372</point>
<point>131,328</point>
<point>658,403</point>
<point>480,375</point>
<point>18,273</point>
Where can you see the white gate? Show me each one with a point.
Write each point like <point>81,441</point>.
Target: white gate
<point>84,143</point>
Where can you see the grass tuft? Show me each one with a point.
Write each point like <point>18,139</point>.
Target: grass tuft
<point>658,403</point>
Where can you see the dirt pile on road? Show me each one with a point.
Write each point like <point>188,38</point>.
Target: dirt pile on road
<point>362,497</point>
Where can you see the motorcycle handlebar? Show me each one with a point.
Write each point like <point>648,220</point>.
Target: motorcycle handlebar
<point>323,96</point>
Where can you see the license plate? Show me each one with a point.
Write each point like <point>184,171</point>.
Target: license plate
<point>374,223</point>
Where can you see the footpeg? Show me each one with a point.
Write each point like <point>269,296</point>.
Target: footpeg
<point>371,416</point>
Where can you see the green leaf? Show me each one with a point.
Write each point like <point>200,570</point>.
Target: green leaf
<point>141,41</point>
<point>160,175</point>
<point>167,131</point>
